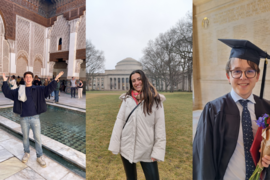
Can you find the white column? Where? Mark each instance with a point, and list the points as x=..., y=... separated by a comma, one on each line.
x=46, y=69
x=121, y=82
x=12, y=56
x=72, y=48
x=117, y=83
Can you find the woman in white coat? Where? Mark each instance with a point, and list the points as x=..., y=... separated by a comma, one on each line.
x=142, y=136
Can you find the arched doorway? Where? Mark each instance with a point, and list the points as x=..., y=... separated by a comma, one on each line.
x=37, y=67
x=22, y=64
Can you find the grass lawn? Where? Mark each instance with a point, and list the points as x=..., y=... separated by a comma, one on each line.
x=102, y=108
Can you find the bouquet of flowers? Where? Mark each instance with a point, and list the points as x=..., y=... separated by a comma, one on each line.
x=262, y=122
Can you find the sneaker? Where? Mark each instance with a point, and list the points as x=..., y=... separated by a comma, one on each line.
x=41, y=161
x=25, y=157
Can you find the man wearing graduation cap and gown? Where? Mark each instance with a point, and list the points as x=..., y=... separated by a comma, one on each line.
x=227, y=127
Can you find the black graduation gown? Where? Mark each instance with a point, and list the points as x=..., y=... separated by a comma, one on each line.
x=217, y=134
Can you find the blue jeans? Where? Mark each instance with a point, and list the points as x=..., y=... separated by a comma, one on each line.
x=56, y=96
x=52, y=94
x=74, y=90
x=32, y=122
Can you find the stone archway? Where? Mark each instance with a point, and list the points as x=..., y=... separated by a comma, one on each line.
x=37, y=67
x=22, y=63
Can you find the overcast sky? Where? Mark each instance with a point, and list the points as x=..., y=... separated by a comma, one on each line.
x=122, y=28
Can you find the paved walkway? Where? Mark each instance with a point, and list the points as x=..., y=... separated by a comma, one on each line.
x=11, y=167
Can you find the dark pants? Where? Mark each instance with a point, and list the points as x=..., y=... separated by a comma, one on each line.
x=150, y=170
x=73, y=89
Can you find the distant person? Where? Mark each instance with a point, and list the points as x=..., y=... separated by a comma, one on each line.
x=22, y=82
x=37, y=81
x=139, y=133
x=12, y=82
x=29, y=109
x=56, y=92
x=73, y=86
x=52, y=94
x=46, y=83
x=18, y=80
x=80, y=89
x=63, y=87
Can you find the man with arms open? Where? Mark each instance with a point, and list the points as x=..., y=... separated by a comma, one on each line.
x=29, y=109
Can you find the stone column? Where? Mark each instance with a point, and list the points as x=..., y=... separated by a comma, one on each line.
x=78, y=66
x=12, y=59
x=74, y=24
x=121, y=83
x=115, y=82
x=46, y=69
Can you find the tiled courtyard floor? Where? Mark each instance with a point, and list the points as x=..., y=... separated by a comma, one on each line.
x=11, y=167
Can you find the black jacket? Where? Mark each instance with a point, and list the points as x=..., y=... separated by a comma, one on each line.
x=39, y=94
x=216, y=136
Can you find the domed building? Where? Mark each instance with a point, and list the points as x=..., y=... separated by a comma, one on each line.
x=118, y=78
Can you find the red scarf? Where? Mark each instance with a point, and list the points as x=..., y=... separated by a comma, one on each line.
x=134, y=94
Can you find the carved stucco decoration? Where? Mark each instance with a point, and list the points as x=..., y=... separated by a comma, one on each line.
x=51, y=66
x=74, y=24
x=11, y=46
x=60, y=29
x=39, y=57
x=81, y=32
x=22, y=54
x=49, y=33
x=78, y=65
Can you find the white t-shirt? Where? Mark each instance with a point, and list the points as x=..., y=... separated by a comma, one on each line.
x=236, y=169
x=73, y=83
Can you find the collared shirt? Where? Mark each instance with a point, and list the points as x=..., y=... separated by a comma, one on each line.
x=237, y=168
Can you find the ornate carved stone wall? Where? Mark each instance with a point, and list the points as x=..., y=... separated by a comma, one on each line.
x=60, y=29
x=38, y=42
x=5, y=56
x=31, y=39
x=81, y=33
x=43, y=14
x=238, y=19
x=37, y=67
x=22, y=63
x=23, y=35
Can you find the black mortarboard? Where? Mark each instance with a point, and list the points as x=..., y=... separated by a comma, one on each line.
x=244, y=49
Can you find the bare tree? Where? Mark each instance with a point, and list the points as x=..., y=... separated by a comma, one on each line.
x=94, y=62
x=169, y=57
x=184, y=47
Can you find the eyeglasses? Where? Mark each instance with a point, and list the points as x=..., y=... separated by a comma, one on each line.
x=237, y=74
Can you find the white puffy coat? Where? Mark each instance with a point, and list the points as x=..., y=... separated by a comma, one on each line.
x=143, y=137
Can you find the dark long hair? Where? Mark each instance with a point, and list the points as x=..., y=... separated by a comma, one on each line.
x=150, y=94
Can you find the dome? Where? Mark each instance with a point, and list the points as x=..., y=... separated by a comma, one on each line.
x=128, y=63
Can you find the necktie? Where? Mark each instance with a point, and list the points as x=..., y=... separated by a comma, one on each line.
x=248, y=138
